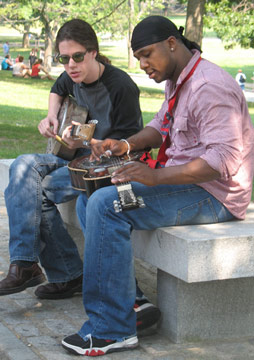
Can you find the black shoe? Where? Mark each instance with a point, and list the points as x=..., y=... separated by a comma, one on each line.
x=95, y=347
x=19, y=278
x=147, y=314
x=64, y=290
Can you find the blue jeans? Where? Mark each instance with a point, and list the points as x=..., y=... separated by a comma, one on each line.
x=37, y=183
x=109, y=282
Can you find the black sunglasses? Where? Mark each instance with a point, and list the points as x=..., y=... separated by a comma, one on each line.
x=77, y=57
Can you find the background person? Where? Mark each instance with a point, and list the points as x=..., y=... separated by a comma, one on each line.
x=36, y=68
x=7, y=64
x=241, y=79
x=20, y=69
x=32, y=57
x=203, y=175
x=17, y=58
x=42, y=53
x=40, y=181
x=6, y=48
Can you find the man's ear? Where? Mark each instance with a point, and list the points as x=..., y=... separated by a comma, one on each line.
x=171, y=43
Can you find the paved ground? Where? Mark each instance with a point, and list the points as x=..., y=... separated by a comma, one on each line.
x=31, y=329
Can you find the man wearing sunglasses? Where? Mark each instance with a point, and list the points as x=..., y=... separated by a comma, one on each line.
x=40, y=181
x=77, y=57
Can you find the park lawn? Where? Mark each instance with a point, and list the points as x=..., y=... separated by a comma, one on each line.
x=24, y=103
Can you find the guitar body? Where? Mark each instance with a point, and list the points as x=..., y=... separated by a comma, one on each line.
x=89, y=175
x=68, y=112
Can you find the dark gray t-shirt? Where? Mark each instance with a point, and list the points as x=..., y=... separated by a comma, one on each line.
x=113, y=101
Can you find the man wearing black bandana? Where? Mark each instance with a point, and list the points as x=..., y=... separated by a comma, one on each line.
x=203, y=174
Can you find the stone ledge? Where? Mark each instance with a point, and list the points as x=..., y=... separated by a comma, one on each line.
x=198, y=253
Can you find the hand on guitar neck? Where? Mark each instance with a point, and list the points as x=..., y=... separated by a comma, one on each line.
x=78, y=135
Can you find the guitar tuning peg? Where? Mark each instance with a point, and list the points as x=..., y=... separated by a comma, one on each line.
x=141, y=202
x=117, y=206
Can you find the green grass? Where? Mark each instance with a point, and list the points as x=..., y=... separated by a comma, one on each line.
x=24, y=102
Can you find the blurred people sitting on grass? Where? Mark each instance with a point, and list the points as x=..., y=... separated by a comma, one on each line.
x=36, y=68
x=20, y=69
x=7, y=64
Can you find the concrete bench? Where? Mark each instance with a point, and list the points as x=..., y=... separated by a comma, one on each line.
x=205, y=283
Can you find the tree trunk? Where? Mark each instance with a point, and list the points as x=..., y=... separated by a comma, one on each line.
x=26, y=40
x=50, y=32
x=48, y=52
x=194, y=21
x=131, y=59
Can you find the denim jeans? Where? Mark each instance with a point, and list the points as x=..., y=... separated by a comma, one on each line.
x=109, y=289
x=37, y=183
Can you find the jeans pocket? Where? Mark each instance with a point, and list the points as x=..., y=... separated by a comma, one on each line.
x=202, y=212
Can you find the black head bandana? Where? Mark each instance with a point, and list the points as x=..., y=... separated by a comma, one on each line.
x=151, y=30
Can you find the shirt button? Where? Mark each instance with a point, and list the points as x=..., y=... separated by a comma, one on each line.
x=177, y=130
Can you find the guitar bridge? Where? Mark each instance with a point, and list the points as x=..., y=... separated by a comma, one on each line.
x=127, y=199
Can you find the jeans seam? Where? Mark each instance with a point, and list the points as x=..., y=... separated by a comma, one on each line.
x=37, y=225
x=100, y=310
x=203, y=201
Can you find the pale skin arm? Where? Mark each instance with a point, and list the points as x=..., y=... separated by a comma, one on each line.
x=74, y=142
x=24, y=67
x=194, y=172
x=9, y=62
x=48, y=127
x=43, y=69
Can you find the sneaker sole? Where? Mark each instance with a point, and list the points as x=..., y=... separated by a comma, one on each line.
x=147, y=317
x=30, y=283
x=127, y=344
x=51, y=296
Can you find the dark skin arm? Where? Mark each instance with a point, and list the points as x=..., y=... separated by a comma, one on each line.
x=193, y=172
x=147, y=137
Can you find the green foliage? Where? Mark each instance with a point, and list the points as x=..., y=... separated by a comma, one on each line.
x=233, y=22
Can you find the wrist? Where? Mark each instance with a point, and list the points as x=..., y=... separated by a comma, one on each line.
x=128, y=146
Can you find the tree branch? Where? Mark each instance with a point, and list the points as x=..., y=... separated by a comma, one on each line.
x=109, y=14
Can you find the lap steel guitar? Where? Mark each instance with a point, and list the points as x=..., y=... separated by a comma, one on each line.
x=89, y=176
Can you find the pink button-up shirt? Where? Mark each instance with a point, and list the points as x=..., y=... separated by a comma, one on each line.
x=212, y=122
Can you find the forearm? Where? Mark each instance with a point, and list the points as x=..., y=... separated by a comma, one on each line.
x=194, y=172
x=148, y=137
x=54, y=104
